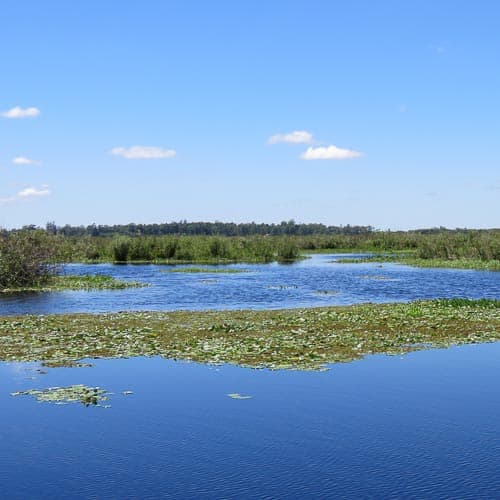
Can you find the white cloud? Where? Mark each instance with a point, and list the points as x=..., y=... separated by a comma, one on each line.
x=22, y=160
x=31, y=192
x=295, y=137
x=19, y=112
x=329, y=153
x=143, y=152
x=27, y=193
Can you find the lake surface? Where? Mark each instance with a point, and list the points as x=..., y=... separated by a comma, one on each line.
x=316, y=281
x=424, y=425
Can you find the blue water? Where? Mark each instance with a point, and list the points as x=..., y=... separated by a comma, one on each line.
x=264, y=286
x=424, y=425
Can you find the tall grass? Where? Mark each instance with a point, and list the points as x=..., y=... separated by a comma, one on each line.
x=445, y=245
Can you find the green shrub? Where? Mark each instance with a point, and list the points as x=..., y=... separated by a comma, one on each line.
x=121, y=248
x=26, y=259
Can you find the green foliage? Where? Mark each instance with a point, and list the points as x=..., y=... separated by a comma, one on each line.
x=459, y=248
x=120, y=248
x=26, y=259
x=288, y=251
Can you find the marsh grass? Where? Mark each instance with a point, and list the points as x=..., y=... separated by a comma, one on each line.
x=411, y=260
x=305, y=339
x=84, y=282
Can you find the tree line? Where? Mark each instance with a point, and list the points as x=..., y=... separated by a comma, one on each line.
x=285, y=228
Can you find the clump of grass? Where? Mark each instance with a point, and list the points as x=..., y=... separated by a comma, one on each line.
x=305, y=339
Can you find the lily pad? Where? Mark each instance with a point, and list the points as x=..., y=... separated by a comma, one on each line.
x=88, y=396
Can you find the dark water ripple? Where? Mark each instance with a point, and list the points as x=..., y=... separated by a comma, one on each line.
x=264, y=286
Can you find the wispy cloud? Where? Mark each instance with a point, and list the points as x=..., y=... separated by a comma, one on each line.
x=27, y=193
x=295, y=137
x=18, y=112
x=22, y=160
x=143, y=152
x=31, y=192
x=329, y=153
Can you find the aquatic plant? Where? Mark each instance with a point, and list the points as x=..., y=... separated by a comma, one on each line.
x=81, y=282
x=236, y=395
x=87, y=396
x=305, y=339
x=211, y=270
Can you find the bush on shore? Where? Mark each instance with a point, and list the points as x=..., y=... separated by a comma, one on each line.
x=26, y=259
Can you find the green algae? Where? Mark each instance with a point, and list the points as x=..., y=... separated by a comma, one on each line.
x=305, y=339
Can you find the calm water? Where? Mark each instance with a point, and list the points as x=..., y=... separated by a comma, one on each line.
x=264, y=286
x=420, y=426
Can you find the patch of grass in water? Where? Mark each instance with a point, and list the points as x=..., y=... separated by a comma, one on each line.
x=411, y=260
x=83, y=282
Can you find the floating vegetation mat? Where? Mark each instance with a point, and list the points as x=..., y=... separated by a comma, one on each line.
x=88, y=396
x=209, y=270
x=84, y=282
x=378, y=277
x=236, y=395
x=410, y=260
x=304, y=339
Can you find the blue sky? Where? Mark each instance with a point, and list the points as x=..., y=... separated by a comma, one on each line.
x=379, y=113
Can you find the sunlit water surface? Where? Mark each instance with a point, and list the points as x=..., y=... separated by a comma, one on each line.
x=316, y=281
